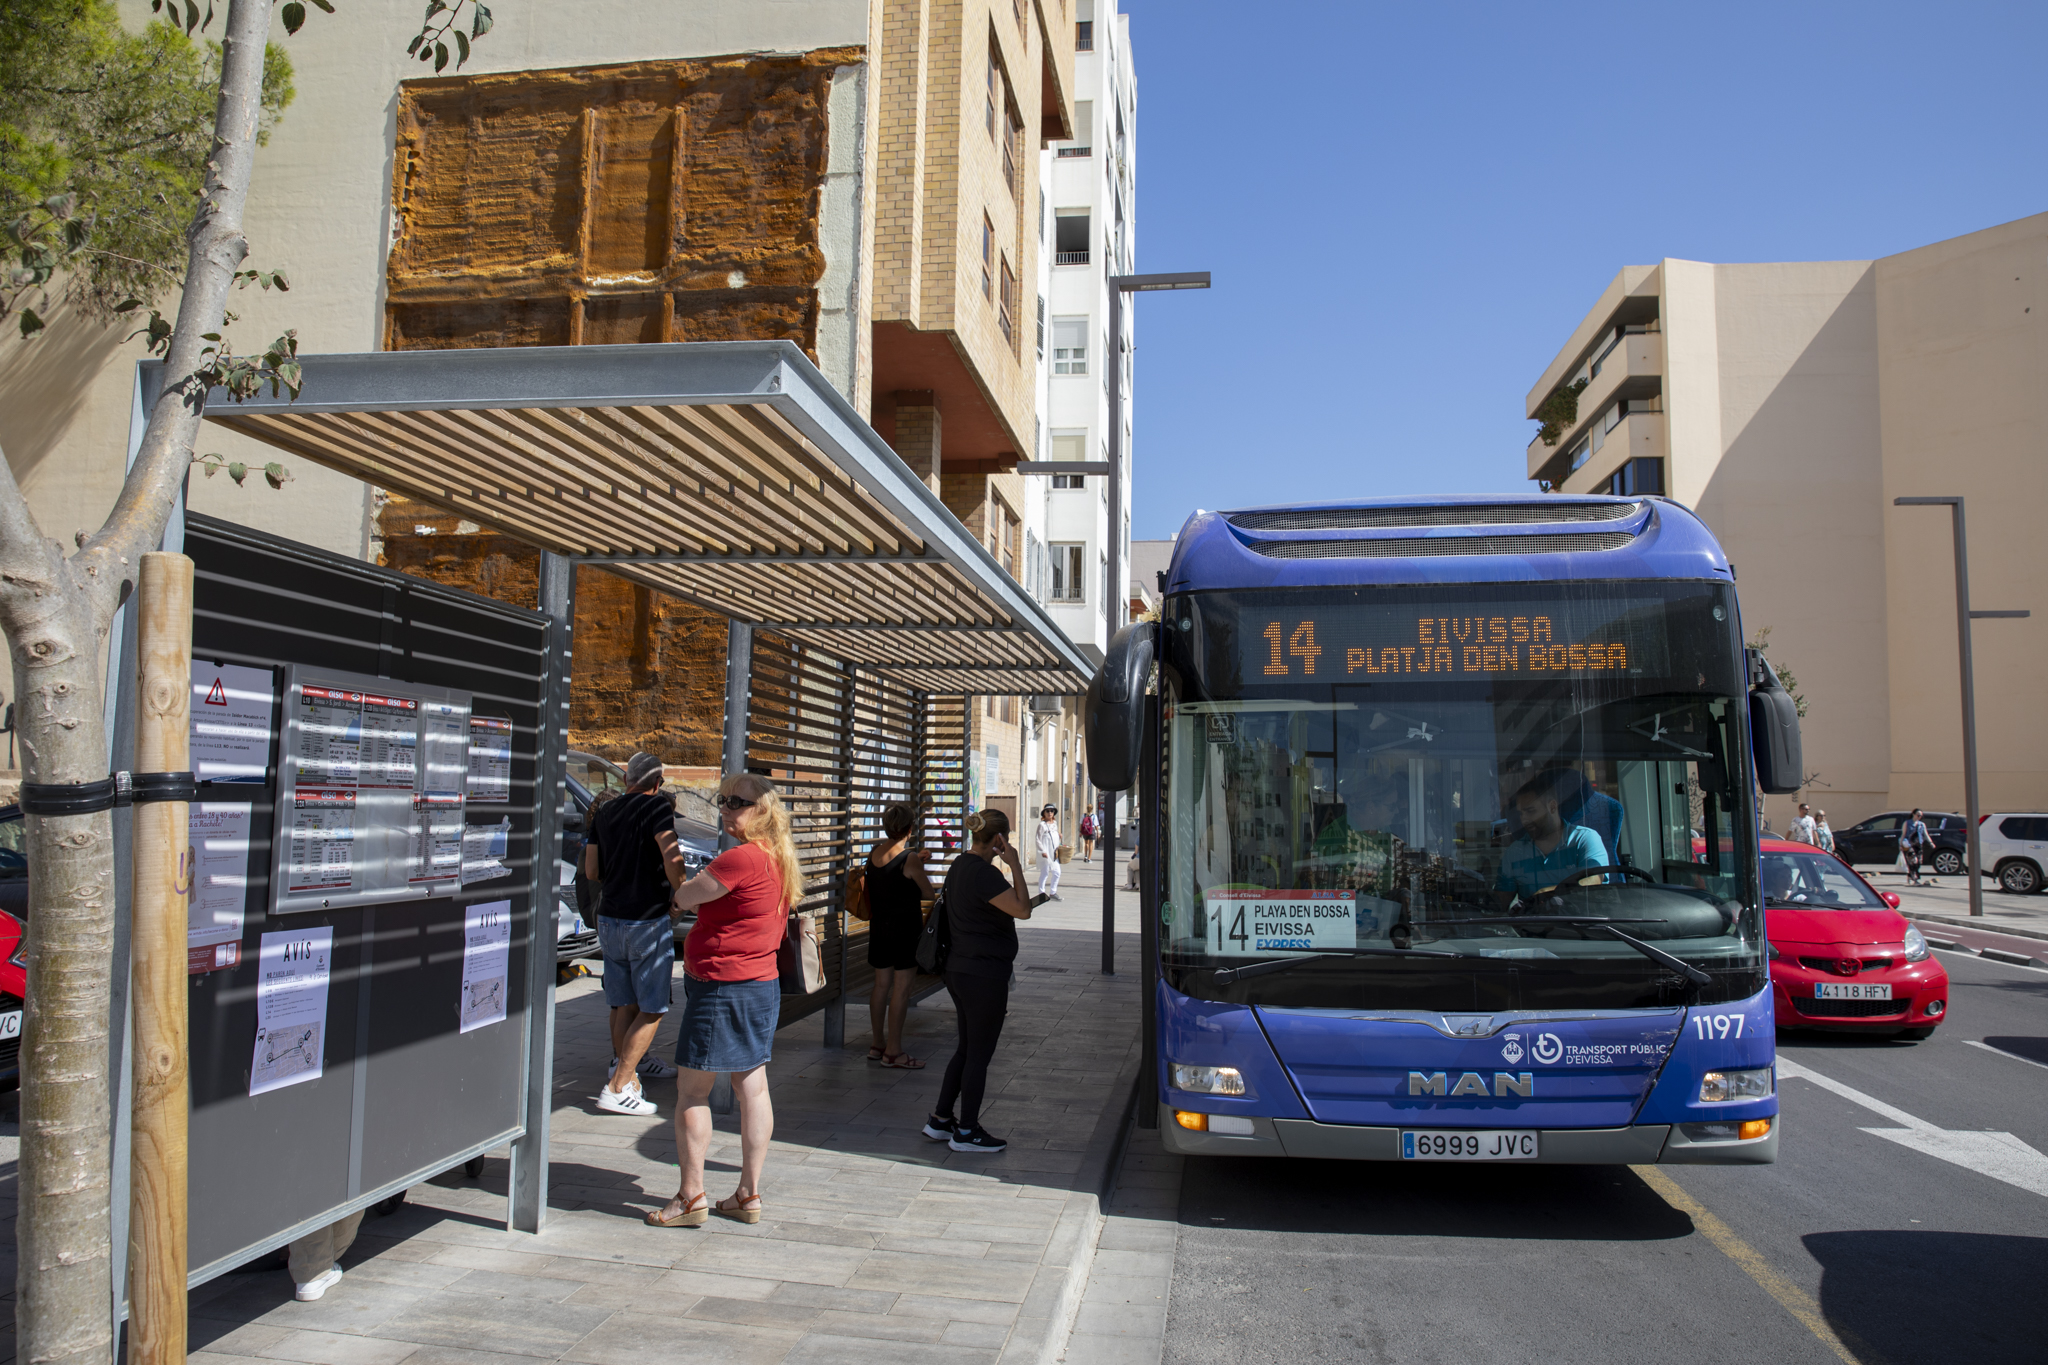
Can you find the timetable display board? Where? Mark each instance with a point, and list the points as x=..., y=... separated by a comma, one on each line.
x=372, y=780
x=1474, y=638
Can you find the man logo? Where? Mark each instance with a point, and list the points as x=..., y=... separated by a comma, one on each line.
x=1547, y=1049
x=1505, y=1083
x=1511, y=1049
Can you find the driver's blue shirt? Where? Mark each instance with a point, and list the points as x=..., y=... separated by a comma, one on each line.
x=1525, y=870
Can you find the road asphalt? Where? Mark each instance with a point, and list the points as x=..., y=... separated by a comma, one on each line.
x=1894, y=1227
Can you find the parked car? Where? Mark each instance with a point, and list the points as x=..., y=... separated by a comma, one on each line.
x=13, y=946
x=2015, y=848
x=1842, y=956
x=1876, y=840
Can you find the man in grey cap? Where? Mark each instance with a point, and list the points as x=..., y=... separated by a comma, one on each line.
x=632, y=848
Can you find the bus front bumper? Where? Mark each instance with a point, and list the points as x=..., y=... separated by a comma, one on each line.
x=1639, y=1144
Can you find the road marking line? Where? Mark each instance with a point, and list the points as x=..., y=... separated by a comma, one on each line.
x=1790, y=1296
x=2003, y=1053
x=1998, y=1155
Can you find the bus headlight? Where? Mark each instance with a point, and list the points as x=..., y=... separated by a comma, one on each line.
x=1916, y=944
x=1717, y=1086
x=1207, y=1080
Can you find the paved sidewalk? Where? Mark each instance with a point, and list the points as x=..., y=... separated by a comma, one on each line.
x=1130, y=1283
x=2011, y=926
x=876, y=1244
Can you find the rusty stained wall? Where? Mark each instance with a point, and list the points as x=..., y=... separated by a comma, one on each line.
x=649, y=670
x=659, y=201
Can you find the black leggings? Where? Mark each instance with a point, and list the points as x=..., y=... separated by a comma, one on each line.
x=980, y=1004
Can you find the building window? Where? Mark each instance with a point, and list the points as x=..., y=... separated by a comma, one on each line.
x=1637, y=477
x=988, y=258
x=1066, y=572
x=1070, y=345
x=1070, y=237
x=1013, y=143
x=1041, y=326
x=1006, y=303
x=1581, y=452
x=1084, y=130
x=995, y=78
x=1070, y=446
x=1008, y=528
x=1042, y=215
x=1084, y=26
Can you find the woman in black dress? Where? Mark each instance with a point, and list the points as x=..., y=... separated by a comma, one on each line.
x=897, y=888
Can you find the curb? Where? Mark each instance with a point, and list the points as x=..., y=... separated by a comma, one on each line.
x=2016, y=959
x=1047, y=1316
x=1960, y=922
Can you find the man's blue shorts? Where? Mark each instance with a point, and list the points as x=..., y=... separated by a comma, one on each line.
x=639, y=962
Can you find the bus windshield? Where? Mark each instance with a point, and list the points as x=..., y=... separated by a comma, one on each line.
x=1458, y=797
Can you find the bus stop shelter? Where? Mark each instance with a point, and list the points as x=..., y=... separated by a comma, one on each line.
x=729, y=474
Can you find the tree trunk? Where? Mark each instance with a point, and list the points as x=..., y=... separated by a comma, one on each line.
x=56, y=612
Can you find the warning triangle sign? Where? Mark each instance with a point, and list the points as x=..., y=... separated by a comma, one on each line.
x=218, y=696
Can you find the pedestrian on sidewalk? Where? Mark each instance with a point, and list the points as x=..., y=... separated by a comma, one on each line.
x=1088, y=832
x=312, y=1258
x=633, y=849
x=1823, y=837
x=732, y=997
x=1802, y=830
x=1048, y=840
x=1914, y=841
x=982, y=910
x=897, y=888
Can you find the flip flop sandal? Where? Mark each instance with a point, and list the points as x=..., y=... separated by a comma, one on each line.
x=903, y=1061
x=694, y=1214
x=736, y=1208
x=876, y=1054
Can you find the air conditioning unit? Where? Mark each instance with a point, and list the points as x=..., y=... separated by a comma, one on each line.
x=1045, y=704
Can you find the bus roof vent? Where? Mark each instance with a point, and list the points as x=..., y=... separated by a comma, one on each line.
x=1408, y=546
x=1548, y=511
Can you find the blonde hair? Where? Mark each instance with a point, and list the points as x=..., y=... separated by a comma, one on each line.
x=766, y=823
x=988, y=825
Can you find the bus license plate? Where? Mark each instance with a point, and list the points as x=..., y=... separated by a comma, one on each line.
x=1847, y=990
x=1480, y=1144
x=10, y=1024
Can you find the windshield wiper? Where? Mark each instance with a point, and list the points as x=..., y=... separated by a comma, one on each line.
x=1655, y=954
x=1281, y=964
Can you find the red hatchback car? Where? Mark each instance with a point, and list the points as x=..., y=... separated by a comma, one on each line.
x=1842, y=956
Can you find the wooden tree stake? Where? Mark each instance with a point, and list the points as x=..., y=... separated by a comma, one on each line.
x=163, y=887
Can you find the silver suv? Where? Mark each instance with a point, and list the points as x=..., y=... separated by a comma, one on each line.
x=2015, y=848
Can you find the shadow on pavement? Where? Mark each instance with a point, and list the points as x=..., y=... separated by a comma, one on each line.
x=1934, y=1295
x=2033, y=1049
x=1386, y=1199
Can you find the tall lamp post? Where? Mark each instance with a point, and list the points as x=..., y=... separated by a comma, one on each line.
x=1116, y=591
x=1973, y=868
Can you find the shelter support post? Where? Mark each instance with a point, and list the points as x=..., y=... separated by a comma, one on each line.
x=835, y=1012
x=739, y=672
x=162, y=872
x=529, y=1184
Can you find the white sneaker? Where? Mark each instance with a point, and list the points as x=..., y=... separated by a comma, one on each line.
x=631, y=1102
x=650, y=1066
x=318, y=1285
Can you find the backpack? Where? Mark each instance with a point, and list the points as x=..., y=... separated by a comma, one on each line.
x=935, y=940
x=1088, y=826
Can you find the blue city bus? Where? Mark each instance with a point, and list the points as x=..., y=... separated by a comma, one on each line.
x=1449, y=834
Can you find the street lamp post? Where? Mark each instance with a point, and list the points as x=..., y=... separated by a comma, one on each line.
x=1972, y=870
x=1115, y=591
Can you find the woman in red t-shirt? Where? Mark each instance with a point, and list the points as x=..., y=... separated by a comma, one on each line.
x=731, y=995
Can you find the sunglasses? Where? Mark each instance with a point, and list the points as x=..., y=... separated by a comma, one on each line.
x=734, y=803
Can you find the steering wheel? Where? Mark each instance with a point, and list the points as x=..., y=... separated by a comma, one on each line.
x=1625, y=871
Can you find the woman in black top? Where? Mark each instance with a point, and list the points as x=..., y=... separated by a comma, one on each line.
x=982, y=910
x=897, y=889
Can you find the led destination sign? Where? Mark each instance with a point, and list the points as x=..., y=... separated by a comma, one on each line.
x=1483, y=640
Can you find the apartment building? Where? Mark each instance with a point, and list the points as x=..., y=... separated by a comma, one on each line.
x=1789, y=404
x=860, y=177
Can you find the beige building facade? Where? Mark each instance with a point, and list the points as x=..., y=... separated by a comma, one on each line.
x=1789, y=404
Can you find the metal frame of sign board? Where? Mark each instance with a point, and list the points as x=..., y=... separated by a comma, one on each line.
x=386, y=888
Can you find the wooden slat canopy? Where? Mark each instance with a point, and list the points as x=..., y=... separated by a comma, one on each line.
x=730, y=474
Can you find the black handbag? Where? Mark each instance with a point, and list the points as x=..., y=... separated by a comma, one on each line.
x=935, y=940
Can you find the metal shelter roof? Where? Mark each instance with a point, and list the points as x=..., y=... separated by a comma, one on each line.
x=730, y=474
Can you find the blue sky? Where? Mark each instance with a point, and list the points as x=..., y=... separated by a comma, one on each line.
x=1408, y=208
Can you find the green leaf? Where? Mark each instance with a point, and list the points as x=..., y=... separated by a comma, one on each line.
x=324, y=7
x=127, y=305
x=294, y=15
x=440, y=57
x=30, y=323
x=434, y=7
x=426, y=53
x=283, y=285
x=238, y=472
x=276, y=474
x=191, y=17
x=480, y=23
x=210, y=336
x=414, y=45
x=461, y=48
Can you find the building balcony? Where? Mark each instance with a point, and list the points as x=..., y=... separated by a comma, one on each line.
x=1640, y=435
x=1633, y=369
x=1070, y=258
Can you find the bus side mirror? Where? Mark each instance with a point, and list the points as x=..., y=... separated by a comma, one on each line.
x=1773, y=731
x=1114, y=708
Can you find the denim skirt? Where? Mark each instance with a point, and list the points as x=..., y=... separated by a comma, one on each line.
x=727, y=1025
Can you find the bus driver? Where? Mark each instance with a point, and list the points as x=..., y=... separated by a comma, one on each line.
x=1550, y=848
